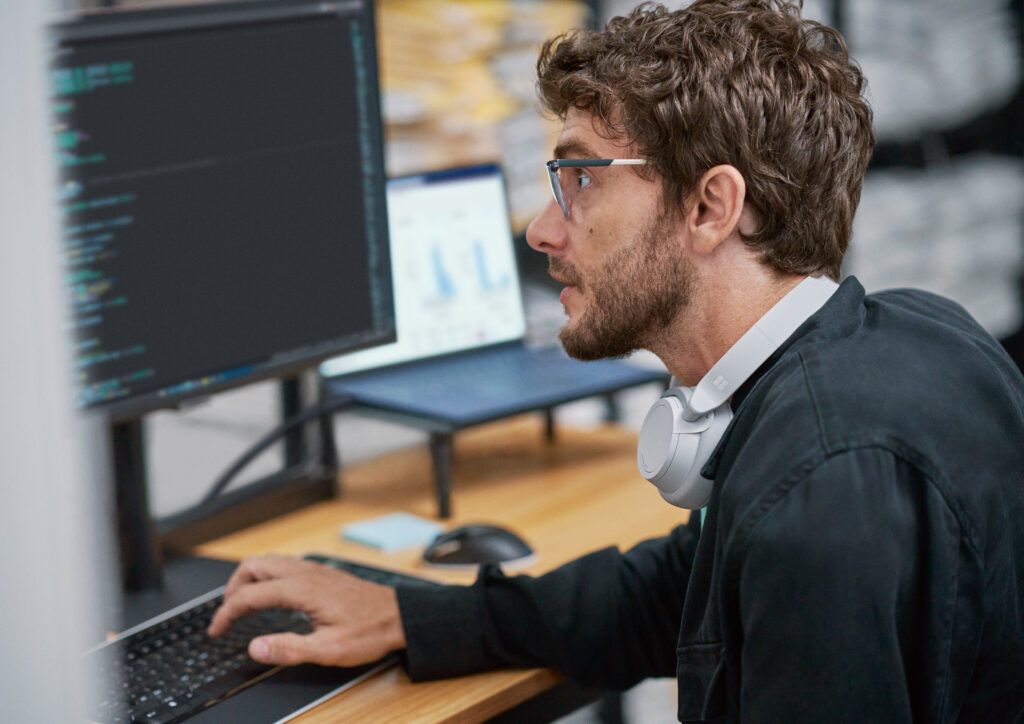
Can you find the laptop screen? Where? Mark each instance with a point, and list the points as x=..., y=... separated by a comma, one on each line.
x=454, y=269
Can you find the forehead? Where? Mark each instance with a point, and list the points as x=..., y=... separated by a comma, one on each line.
x=583, y=135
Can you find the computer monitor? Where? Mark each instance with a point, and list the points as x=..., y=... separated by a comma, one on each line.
x=456, y=280
x=222, y=193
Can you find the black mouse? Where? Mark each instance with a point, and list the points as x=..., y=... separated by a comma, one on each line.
x=472, y=545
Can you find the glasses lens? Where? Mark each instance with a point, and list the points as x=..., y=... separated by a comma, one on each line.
x=554, y=177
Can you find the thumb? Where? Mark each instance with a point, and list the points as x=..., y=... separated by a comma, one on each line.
x=283, y=649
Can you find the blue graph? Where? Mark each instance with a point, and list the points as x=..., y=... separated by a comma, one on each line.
x=443, y=280
x=486, y=283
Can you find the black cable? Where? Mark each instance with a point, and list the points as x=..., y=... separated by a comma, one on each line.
x=327, y=406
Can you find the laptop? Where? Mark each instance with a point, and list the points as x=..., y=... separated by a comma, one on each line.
x=461, y=357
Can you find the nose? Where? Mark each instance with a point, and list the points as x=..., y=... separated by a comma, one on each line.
x=546, y=233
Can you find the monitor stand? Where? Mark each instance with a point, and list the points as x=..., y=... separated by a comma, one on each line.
x=153, y=580
x=141, y=556
x=151, y=584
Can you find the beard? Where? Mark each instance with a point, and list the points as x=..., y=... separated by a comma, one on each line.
x=635, y=295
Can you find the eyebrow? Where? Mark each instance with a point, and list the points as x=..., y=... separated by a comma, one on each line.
x=572, y=147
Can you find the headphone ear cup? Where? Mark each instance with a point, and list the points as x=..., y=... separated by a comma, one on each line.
x=661, y=445
x=672, y=450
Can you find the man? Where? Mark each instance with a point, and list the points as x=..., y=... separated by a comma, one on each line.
x=862, y=554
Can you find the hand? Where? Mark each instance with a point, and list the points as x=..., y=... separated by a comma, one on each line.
x=354, y=621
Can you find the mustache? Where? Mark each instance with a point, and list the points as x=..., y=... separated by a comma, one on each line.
x=564, y=271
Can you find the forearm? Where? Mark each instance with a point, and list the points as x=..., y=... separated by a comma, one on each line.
x=607, y=619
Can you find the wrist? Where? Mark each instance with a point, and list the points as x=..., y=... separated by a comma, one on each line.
x=394, y=630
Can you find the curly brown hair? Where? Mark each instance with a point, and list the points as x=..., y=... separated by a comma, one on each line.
x=741, y=82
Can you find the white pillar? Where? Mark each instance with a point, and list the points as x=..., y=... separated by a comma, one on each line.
x=54, y=524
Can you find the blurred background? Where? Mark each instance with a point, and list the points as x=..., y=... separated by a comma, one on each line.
x=942, y=207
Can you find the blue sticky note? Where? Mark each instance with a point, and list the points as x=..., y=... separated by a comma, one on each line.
x=392, y=532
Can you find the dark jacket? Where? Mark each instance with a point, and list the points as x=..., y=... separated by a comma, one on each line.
x=862, y=558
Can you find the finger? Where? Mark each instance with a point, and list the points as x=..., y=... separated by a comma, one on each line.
x=284, y=649
x=258, y=568
x=320, y=647
x=251, y=598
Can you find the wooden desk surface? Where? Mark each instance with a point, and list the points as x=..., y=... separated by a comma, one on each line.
x=577, y=494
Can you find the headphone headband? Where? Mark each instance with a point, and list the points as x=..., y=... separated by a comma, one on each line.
x=758, y=343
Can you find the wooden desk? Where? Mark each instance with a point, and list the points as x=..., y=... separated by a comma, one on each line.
x=577, y=494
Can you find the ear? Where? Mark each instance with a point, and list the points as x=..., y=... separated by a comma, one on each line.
x=718, y=204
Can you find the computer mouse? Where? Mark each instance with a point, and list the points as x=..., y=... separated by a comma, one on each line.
x=469, y=546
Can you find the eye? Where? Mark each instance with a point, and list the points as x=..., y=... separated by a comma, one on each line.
x=583, y=180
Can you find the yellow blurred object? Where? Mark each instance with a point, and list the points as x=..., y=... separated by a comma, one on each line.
x=457, y=79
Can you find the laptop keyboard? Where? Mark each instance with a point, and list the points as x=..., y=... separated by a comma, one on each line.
x=171, y=669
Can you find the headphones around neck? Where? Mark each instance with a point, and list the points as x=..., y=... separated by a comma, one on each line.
x=684, y=426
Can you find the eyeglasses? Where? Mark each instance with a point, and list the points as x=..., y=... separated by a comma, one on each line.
x=565, y=187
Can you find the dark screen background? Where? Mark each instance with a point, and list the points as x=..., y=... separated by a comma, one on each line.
x=216, y=212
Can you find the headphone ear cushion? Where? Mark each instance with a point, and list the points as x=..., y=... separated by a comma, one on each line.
x=672, y=450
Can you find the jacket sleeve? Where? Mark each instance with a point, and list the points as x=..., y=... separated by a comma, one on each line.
x=846, y=594
x=607, y=619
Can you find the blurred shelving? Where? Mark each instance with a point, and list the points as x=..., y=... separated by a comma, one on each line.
x=943, y=202
x=457, y=79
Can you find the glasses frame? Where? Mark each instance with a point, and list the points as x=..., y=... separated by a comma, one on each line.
x=556, y=163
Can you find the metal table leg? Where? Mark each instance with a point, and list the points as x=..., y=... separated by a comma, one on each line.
x=441, y=450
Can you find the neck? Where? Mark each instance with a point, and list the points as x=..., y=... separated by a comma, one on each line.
x=720, y=311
